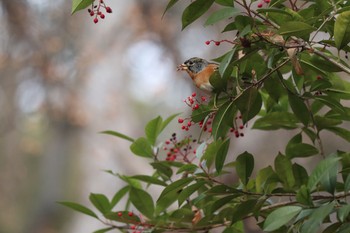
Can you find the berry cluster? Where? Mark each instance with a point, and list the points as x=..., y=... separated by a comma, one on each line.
x=261, y=4
x=95, y=10
x=218, y=42
x=237, y=130
x=179, y=149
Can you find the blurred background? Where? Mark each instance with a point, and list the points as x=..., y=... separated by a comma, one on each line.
x=64, y=79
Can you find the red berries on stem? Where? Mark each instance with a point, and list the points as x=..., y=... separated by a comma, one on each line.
x=95, y=10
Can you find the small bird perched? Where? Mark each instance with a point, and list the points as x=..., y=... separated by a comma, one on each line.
x=200, y=71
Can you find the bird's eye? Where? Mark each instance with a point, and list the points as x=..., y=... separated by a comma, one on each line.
x=189, y=63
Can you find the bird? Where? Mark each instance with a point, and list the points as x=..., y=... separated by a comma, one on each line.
x=200, y=71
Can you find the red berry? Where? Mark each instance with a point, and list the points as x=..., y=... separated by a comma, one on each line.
x=203, y=98
x=241, y=126
x=207, y=42
x=183, y=127
x=267, y=1
x=108, y=9
x=120, y=214
x=217, y=43
x=95, y=20
x=180, y=120
x=189, y=123
x=318, y=77
x=167, y=142
x=131, y=214
x=133, y=227
x=232, y=130
x=194, y=94
x=196, y=106
x=260, y=5
x=102, y=16
x=176, y=150
x=210, y=130
x=91, y=13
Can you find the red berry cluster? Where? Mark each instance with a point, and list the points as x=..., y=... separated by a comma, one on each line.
x=95, y=10
x=137, y=227
x=218, y=42
x=261, y=4
x=237, y=130
x=179, y=149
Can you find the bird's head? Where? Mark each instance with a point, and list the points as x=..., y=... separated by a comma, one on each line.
x=193, y=65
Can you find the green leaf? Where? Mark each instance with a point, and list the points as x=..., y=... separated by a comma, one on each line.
x=265, y=180
x=224, y=64
x=280, y=217
x=152, y=129
x=195, y=10
x=170, y=194
x=221, y=155
x=342, y=30
x=117, y=134
x=163, y=169
x=300, y=175
x=149, y=179
x=142, y=147
x=303, y=196
x=244, y=166
x=322, y=171
x=78, y=5
x=200, y=113
x=101, y=202
x=296, y=28
x=284, y=170
x=331, y=102
x=142, y=201
x=119, y=195
x=299, y=108
x=188, y=191
x=221, y=14
x=249, y=104
x=276, y=120
x=300, y=150
x=171, y=3
x=242, y=209
x=312, y=224
x=190, y=168
x=221, y=202
x=341, y=132
x=343, y=212
x=79, y=208
x=222, y=120
x=224, y=2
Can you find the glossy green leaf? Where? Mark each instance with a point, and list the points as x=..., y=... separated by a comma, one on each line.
x=119, y=195
x=331, y=102
x=176, y=186
x=224, y=2
x=221, y=122
x=276, y=120
x=163, y=169
x=117, y=134
x=142, y=201
x=296, y=28
x=280, y=217
x=249, y=104
x=221, y=155
x=78, y=5
x=299, y=108
x=149, y=180
x=142, y=147
x=244, y=166
x=79, y=208
x=152, y=129
x=190, y=168
x=300, y=175
x=225, y=63
x=300, y=150
x=221, y=14
x=284, y=170
x=101, y=202
x=200, y=113
x=342, y=30
x=221, y=202
x=195, y=10
x=322, y=171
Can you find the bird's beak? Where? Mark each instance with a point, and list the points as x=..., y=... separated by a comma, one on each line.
x=182, y=67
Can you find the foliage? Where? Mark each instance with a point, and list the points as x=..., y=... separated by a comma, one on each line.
x=281, y=74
